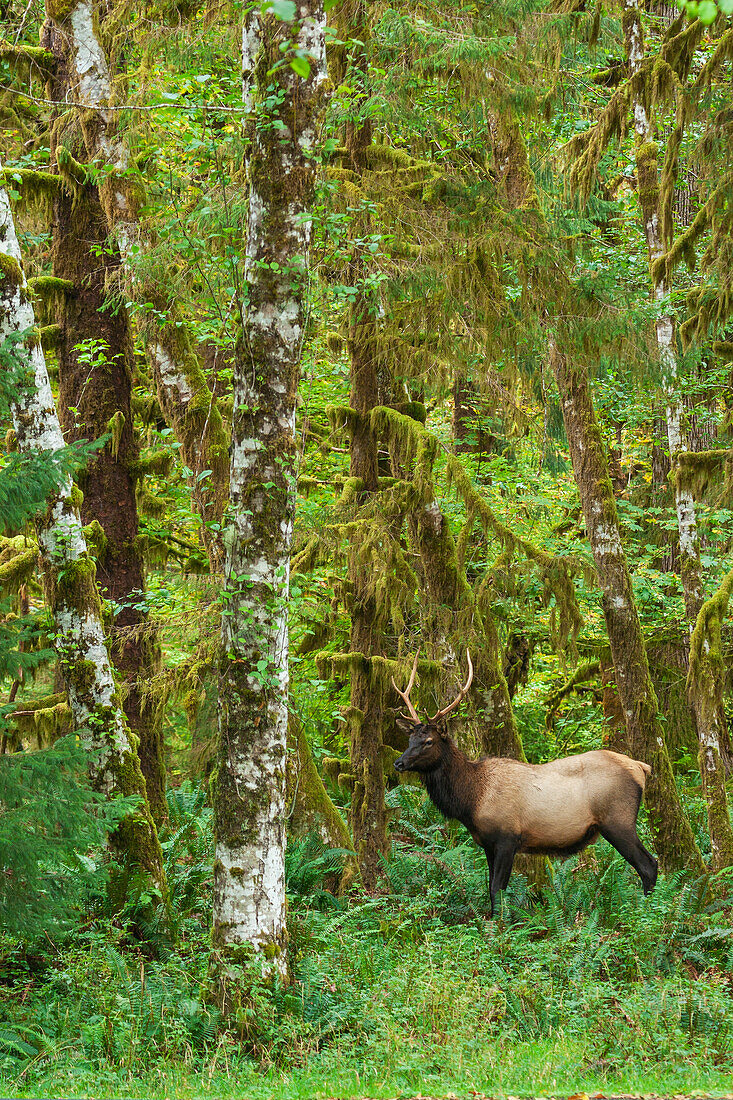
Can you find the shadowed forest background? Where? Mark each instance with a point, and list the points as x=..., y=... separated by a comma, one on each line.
x=329, y=336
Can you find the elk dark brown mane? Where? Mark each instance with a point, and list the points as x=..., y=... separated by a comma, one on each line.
x=509, y=806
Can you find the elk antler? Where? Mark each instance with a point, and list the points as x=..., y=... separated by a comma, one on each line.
x=461, y=694
x=405, y=695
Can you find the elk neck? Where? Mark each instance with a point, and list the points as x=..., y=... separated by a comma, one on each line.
x=453, y=784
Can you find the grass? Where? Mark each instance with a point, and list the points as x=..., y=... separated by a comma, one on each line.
x=591, y=988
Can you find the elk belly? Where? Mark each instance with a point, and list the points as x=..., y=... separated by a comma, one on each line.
x=556, y=819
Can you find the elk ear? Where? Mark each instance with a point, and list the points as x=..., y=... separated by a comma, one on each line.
x=442, y=729
x=404, y=725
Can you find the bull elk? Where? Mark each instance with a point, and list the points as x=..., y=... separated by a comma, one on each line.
x=553, y=809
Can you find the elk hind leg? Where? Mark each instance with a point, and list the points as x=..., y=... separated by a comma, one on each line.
x=625, y=841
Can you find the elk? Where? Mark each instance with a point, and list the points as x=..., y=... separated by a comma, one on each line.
x=508, y=806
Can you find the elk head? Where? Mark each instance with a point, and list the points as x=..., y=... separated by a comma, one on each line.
x=424, y=751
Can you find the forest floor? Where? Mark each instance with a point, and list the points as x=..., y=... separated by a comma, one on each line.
x=588, y=988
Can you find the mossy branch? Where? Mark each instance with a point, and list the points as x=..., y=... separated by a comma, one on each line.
x=18, y=560
x=47, y=719
x=582, y=675
x=51, y=292
x=28, y=60
x=582, y=154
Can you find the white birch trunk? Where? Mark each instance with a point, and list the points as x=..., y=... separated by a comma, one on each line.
x=80, y=640
x=648, y=190
x=249, y=795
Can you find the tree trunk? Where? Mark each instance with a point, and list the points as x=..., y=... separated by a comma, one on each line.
x=365, y=716
x=705, y=685
x=673, y=836
x=70, y=583
x=188, y=404
x=249, y=784
x=711, y=728
x=95, y=388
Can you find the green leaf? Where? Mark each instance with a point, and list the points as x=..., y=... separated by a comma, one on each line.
x=302, y=67
x=707, y=12
x=330, y=4
x=726, y=6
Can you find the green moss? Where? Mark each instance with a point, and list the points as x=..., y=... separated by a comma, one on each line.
x=17, y=566
x=36, y=189
x=51, y=337
x=158, y=463
x=50, y=290
x=11, y=273
x=60, y=10
x=76, y=584
x=25, y=58
x=95, y=538
x=648, y=178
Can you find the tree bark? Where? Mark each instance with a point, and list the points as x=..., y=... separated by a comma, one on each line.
x=187, y=402
x=711, y=726
x=675, y=842
x=366, y=713
x=95, y=388
x=249, y=784
x=705, y=684
x=70, y=583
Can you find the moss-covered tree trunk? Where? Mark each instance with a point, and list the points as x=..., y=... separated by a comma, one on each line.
x=705, y=685
x=95, y=389
x=675, y=843
x=249, y=782
x=70, y=583
x=366, y=713
x=711, y=727
x=652, y=220
x=186, y=399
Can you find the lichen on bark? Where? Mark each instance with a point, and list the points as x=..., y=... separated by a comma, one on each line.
x=249, y=781
x=69, y=580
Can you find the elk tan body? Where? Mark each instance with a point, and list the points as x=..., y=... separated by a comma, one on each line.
x=509, y=806
x=557, y=806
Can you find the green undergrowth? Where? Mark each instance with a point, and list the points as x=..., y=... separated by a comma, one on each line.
x=584, y=986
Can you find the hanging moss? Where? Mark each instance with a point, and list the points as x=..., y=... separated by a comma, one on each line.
x=28, y=60
x=157, y=463
x=695, y=469
x=582, y=675
x=584, y=151
x=51, y=337
x=37, y=190
x=679, y=48
x=47, y=719
x=683, y=248
x=74, y=174
x=95, y=538
x=115, y=428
